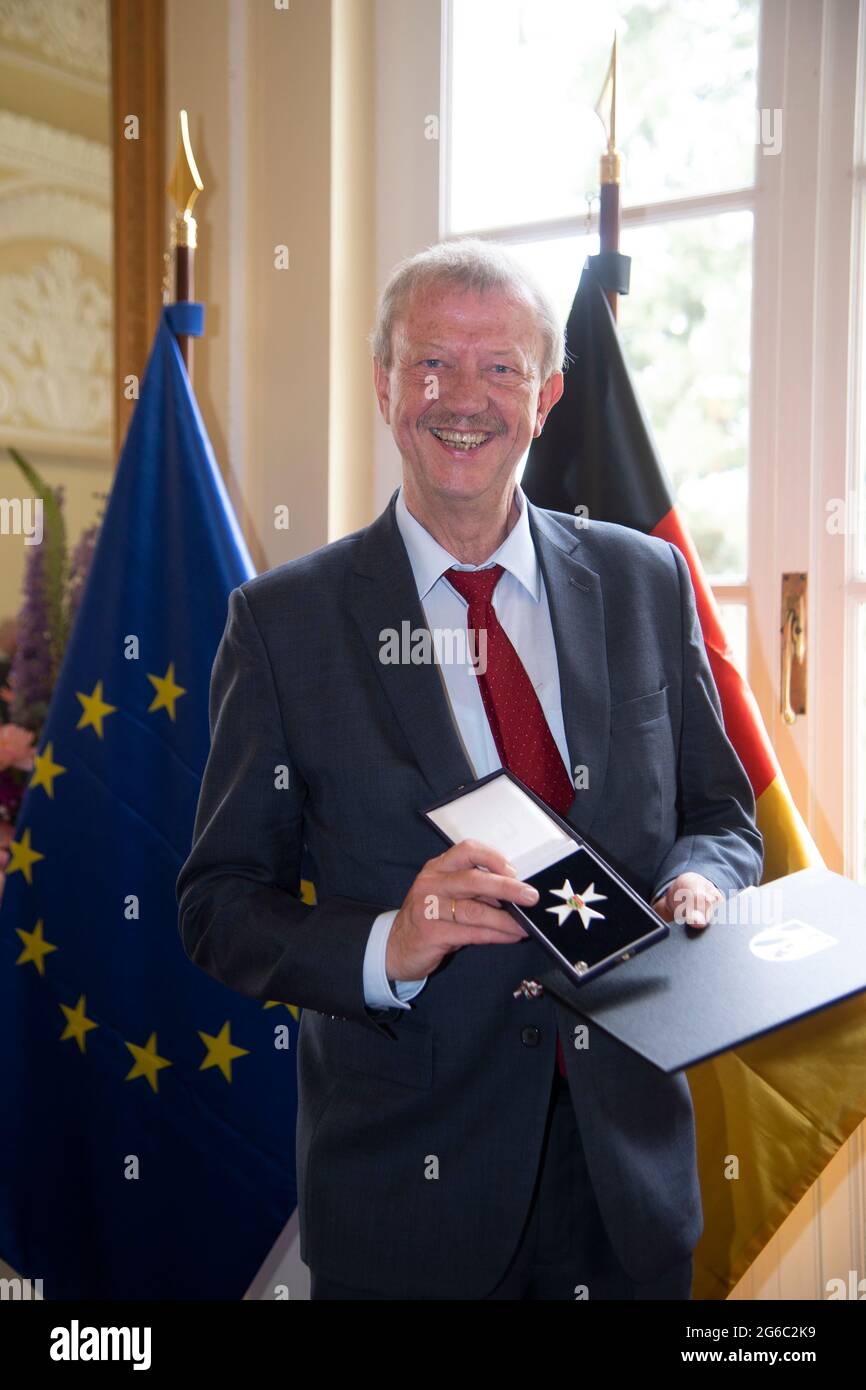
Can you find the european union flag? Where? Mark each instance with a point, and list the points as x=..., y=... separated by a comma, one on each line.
x=147, y=1112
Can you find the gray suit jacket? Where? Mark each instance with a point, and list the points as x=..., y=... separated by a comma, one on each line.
x=457, y=1086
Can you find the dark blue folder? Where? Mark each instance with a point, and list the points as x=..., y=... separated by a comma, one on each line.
x=770, y=955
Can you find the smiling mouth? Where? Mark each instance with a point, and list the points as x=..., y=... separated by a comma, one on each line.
x=464, y=441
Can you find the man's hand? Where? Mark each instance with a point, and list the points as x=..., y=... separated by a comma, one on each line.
x=689, y=899
x=425, y=931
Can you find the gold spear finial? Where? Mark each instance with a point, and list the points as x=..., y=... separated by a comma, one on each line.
x=184, y=186
x=605, y=109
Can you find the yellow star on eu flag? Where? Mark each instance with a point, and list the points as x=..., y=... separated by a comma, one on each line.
x=167, y=691
x=281, y=1004
x=147, y=1062
x=221, y=1051
x=36, y=948
x=23, y=857
x=45, y=769
x=78, y=1025
x=95, y=709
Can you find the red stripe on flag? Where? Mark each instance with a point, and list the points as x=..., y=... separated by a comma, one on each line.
x=744, y=723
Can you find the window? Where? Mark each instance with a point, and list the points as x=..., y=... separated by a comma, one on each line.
x=852, y=511
x=521, y=165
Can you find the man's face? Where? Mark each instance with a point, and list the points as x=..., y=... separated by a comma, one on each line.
x=480, y=353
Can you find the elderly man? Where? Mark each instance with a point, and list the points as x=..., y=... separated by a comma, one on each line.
x=448, y=1145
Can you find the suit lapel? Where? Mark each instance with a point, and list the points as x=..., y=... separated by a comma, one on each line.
x=382, y=597
x=577, y=616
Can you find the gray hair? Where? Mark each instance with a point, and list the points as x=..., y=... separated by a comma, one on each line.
x=468, y=264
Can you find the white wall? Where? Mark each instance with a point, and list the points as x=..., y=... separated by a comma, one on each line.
x=408, y=51
x=256, y=83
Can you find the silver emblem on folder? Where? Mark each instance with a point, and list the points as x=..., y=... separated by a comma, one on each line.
x=793, y=940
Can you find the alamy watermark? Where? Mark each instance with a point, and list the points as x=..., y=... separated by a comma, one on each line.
x=22, y=516
x=20, y=1290
x=749, y=908
x=444, y=646
x=768, y=129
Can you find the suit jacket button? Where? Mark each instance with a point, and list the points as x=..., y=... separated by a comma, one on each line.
x=530, y=1037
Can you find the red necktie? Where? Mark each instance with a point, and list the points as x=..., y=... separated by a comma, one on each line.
x=520, y=731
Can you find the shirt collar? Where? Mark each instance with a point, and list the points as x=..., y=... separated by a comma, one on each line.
x=430, y=560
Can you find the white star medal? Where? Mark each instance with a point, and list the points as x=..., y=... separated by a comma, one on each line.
x=577, y=902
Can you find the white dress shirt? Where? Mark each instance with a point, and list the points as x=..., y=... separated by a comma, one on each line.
x=520, y=602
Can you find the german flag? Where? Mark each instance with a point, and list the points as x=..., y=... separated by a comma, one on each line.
x=782, y=1106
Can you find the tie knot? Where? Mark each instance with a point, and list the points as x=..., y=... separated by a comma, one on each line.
x=476, y=586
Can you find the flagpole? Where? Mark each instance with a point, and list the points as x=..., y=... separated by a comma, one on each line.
x=611, y=268
x=184, y=187
x=609, y=217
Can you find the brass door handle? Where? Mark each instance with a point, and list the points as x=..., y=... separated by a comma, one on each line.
x=793, y=693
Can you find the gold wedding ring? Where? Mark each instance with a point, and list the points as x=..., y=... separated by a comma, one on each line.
x=453, y=910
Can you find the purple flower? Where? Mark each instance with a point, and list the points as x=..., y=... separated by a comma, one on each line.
x=79, y=568
x=11, y=795
x=32, y=672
